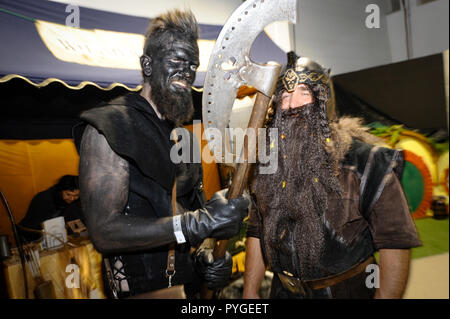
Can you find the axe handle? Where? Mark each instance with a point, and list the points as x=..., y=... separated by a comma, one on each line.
x=240, y=176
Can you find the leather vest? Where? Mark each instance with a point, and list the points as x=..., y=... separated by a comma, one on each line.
x=146, y=271
x=131, y=126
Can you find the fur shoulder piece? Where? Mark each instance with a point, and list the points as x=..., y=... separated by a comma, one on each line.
x=343, y=132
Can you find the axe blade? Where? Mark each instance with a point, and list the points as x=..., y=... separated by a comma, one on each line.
x=230, y=66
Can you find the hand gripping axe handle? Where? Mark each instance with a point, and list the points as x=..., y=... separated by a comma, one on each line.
x=230, y=67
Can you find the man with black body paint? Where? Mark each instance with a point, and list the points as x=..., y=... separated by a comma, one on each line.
x=127, y=176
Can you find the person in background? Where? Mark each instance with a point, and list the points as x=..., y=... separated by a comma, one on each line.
x=51, y=203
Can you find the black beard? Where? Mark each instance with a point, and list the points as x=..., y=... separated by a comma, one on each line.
x=310, y=180
x=176, y=107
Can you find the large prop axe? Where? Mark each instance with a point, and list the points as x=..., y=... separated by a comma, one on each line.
x=230, y=67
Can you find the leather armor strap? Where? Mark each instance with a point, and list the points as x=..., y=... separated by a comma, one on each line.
x=296, y=285
x=333, y=280
x=170, y=270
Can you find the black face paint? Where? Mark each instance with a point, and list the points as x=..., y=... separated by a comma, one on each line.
x=173, y=74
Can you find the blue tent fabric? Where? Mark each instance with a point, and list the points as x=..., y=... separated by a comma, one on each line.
x=23, y=53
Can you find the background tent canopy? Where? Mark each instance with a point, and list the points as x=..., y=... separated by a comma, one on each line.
x=105, y=50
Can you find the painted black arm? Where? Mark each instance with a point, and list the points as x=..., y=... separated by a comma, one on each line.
x=104, y=181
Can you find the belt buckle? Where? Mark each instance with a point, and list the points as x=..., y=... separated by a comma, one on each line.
x=293, y=284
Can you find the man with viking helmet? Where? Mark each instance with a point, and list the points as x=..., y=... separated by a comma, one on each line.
x=127, y=177
x=334, y=201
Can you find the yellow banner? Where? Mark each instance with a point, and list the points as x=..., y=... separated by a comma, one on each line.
x=102, y=48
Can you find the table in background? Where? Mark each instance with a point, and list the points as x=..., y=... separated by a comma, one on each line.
x=53, y=266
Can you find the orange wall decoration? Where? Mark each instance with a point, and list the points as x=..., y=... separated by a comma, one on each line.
x=211, y=180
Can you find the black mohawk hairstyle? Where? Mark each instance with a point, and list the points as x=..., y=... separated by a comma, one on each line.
x=168, y=25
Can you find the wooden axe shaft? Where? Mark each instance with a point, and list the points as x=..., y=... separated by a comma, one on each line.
x=240, y=176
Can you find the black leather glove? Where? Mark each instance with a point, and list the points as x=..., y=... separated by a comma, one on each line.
x=219, y=218
x=216, y=273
